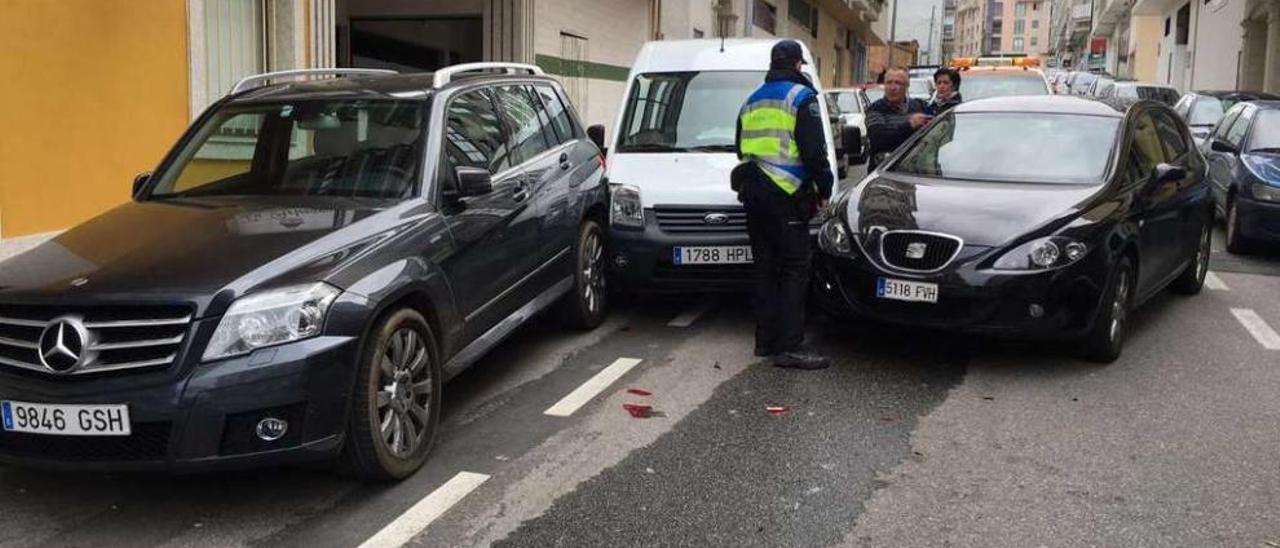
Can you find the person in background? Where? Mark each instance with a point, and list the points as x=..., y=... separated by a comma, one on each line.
x=946, y=82
x=782, y=182
x=892, y=119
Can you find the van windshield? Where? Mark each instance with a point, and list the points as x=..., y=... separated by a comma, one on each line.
x=685, y=111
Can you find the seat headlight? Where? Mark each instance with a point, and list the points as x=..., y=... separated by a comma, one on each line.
x=271, y=317
x=625, y=208
x=1265, y=192
x=834, y=238
x=1043, y=254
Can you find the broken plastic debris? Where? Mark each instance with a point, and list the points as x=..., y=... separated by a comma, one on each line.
x=639, y=392
x=637, y=410
x=776, y=409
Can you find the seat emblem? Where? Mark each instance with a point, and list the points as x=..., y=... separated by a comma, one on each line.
x=915, y=250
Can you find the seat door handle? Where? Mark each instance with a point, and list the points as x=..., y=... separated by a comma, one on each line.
x=564, y=160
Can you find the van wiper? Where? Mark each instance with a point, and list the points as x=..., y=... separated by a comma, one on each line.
x=714, y=148
x=650, y=147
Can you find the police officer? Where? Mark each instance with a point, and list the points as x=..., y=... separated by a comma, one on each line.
x=782, y=183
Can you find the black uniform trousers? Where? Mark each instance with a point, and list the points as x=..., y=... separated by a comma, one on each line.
x=778, y=225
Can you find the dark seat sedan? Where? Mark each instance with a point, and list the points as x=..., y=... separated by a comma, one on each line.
x=1202, y=110
x=1244, y=168
x=1045, y=217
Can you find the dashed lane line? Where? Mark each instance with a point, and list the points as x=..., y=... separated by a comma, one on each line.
x=1213, y=282
x=687, y=318
x=416, y=519
x=593, y=387
x=1257, y=327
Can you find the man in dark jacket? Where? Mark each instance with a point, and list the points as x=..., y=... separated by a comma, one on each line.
x=894, y=118
x=782, y=183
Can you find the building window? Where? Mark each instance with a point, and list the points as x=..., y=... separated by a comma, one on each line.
x=1019, y=27
x=1020, y=10
x=1035, y=41
x=1035, y=6
x=766, y=16
x=802, y=12
x=235, y=45
x=1017, y=43
x=1035, y=24
x=997, y=27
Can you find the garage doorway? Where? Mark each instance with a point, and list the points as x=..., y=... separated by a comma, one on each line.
x=415, y=44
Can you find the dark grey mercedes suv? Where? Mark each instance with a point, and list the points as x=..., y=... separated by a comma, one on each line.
x=301, y=274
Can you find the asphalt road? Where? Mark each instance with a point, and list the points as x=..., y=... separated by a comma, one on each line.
x=912, y=439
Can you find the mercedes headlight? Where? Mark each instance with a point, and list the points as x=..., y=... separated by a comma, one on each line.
x=834, y=237
x=625, y=208
x=271, y=317
x=1043, y=254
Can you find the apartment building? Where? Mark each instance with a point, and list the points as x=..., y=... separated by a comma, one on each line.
x=1070, y=23
x=1189, y=44
x=103, y=89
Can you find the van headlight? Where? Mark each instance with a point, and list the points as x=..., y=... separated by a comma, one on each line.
x=271, y=317
x=834, y=238
x=625, y=208
x=1043, y=254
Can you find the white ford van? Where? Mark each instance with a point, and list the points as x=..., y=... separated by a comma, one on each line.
x=675, y=224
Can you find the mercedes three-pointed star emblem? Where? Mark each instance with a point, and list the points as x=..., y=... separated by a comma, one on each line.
x=63, y=345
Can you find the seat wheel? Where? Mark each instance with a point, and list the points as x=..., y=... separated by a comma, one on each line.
x=395, y=409
x=1111, y=324
x=586, y=306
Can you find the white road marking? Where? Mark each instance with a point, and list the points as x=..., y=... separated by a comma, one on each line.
x=416, y=519
x=689, y=316
x=1258, y=327
x=1212, y=281
x=590, y=389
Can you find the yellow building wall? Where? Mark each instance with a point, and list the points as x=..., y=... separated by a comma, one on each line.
x=95, y=91
x=1144, y=46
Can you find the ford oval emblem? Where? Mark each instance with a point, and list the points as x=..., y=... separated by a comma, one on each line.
x=716, y=218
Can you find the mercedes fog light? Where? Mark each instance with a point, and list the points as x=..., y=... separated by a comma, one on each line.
x=272, y=429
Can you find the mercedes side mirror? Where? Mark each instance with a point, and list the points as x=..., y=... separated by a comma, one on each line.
x=1219, y=145
x=851, y=136
x=140, y=181
x=596, y=134
x=1169, y=172
x=473, y=181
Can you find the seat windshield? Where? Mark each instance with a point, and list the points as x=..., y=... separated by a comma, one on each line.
x=1010, y=147
x=686, y=111
x=369, y=149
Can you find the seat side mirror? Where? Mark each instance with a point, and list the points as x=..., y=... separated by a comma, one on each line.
x=852, y=138
x=140, y=181
x=596, y=134
x=473, y=181
x=1220, y=145
x=1169, y=172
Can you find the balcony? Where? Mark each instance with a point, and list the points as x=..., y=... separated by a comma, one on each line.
x=1108, y=13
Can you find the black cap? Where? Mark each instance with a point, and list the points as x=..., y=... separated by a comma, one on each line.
x=787, y=52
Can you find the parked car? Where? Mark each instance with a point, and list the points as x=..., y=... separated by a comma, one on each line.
x=853, y=103
x=676, y=225
x=302, y=273
x=1124, y=90
x=970, y=227
x=1203, y=109
x=1244, y=168
x=1078, y=82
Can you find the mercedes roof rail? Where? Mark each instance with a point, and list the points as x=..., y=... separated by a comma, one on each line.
x=259, y=80
x=446, y=75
